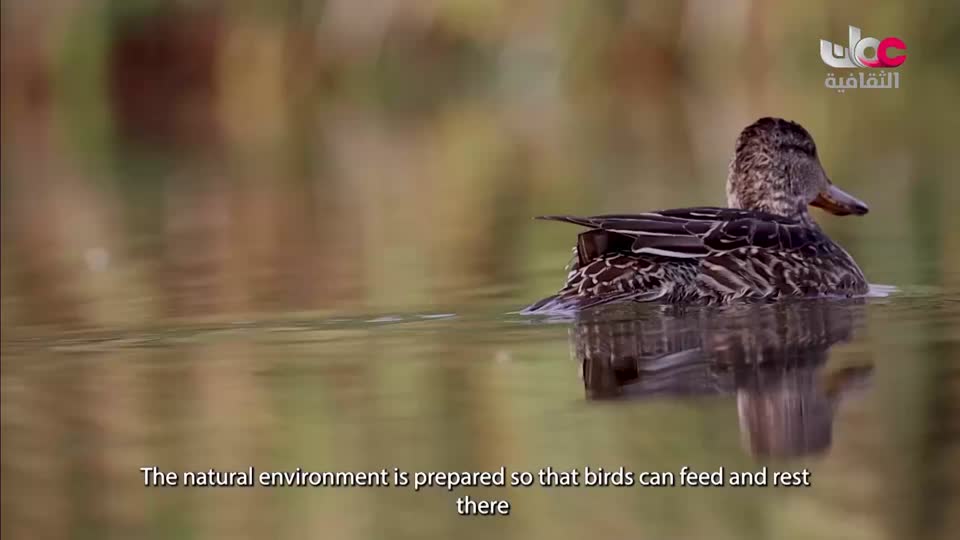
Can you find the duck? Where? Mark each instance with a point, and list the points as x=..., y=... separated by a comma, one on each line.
x=765, y=246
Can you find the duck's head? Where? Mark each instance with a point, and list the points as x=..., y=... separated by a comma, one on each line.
x=776, y=169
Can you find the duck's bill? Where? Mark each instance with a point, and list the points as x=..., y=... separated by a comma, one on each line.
x=839, y=202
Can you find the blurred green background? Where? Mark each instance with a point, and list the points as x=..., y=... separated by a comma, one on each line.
x=173, y=170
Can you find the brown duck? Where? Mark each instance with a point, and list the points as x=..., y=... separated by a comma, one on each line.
x=765, y=246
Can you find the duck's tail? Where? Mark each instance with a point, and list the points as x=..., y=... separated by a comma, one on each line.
x=566, y=302
x=550, y=305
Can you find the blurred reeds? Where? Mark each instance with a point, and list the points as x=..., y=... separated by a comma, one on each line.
x=163, y=159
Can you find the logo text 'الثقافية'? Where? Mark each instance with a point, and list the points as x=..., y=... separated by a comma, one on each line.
x=855, y=56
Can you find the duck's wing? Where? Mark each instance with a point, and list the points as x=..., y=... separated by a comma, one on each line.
x=688, y=233
x=706, y=253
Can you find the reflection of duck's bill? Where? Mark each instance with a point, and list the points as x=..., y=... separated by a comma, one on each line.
x=839, y=202
x=848, y=381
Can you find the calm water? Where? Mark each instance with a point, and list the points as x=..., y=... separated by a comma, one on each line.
x=863, y=394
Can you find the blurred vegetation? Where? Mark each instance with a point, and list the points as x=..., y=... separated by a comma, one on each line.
x=169, y=163
x=164, y=159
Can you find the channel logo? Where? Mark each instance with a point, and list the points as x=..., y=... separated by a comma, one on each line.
x=889, y=52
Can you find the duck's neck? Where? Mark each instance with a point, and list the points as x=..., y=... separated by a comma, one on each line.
x=780, y=206
x=802, y=215
x=762, y=187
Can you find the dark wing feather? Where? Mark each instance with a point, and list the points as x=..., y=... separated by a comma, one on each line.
x=692, y=233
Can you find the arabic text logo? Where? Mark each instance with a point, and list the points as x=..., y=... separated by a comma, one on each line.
x=855, y=55
x=885, y=80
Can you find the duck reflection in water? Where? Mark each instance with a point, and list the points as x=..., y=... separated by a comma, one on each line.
x=772, y=357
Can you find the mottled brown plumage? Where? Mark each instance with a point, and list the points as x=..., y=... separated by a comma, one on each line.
x=764, y=247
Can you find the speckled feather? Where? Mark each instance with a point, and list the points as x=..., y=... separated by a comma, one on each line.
x=711, y=255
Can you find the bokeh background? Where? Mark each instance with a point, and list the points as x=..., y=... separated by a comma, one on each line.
x=185, y=181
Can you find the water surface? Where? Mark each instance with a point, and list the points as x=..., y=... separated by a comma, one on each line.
x=858, y=392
